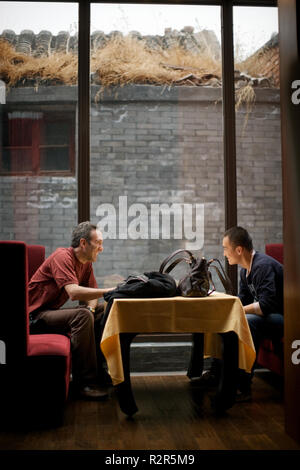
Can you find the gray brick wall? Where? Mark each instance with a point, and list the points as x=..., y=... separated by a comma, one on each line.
x=154, y=145
x=38, y=210
x=259, y=173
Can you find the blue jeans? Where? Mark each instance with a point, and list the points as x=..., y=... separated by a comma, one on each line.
x=269, y=326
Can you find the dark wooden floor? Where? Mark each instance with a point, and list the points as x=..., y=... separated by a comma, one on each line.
x=172, y=415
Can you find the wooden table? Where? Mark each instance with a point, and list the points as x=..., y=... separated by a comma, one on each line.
x=218, y=324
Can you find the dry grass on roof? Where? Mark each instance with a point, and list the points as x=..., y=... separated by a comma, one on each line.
x=16, y=67
x=257, y=65
x=245, y=96
x=121, y=61
x=128, y=60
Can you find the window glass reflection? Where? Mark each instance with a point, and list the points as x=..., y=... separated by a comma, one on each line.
x=38, y=95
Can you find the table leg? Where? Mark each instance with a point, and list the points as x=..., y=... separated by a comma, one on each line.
x=195, y=367
x=226, y=393
x=124, y=390
x=225, y=397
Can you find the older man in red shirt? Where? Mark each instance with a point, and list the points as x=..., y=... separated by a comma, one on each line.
x=68, y=274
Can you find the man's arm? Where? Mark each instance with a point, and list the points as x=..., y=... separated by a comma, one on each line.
x=244, y=293
x=247, y=298
x=92, y=303
x=265, y=288
x=85, y=294
x=253, y=308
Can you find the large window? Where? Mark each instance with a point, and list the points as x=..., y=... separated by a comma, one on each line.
x=156, y=128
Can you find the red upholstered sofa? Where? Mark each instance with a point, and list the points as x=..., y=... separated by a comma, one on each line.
x=35, y=369
x=267, y=356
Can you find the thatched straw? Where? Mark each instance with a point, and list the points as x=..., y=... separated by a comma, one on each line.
x=127, y=60
x=16, y=67
x=257, y=64
x=121, y=61
x=245, y=95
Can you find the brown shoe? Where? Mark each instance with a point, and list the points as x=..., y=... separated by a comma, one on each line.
x=92, y=392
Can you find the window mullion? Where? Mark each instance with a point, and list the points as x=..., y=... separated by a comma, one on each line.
x=229, y=136
x=83, y=174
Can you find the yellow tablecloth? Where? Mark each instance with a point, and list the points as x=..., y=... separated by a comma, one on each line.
x=218, y=313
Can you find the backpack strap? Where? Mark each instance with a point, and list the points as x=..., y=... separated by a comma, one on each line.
x=172, y=266
x=225, y=280
x=177, y=261
x=212, y=283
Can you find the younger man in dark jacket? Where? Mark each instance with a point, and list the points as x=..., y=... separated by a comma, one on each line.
x=260, y=291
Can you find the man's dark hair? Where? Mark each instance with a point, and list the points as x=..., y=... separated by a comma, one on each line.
x=238, y=236
x=82, y=230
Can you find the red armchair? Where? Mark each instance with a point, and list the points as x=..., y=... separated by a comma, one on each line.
x=35, y=374
x=36, y=256
x=267, y=356
x=275, y=250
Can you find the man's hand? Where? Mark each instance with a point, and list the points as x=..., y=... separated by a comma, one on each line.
x=108, y=290
x=86, y=294
x=254, y=309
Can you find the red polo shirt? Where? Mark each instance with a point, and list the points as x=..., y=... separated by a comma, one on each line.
x=46, y=287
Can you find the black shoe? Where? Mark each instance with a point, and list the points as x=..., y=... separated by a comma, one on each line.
x=207, y=379
x=92, y=392
x=104, y=378
x=243, y=397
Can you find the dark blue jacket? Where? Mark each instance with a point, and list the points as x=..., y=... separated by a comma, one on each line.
x=264, y=284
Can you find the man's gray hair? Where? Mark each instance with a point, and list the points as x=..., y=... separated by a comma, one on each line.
x=83, y=230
